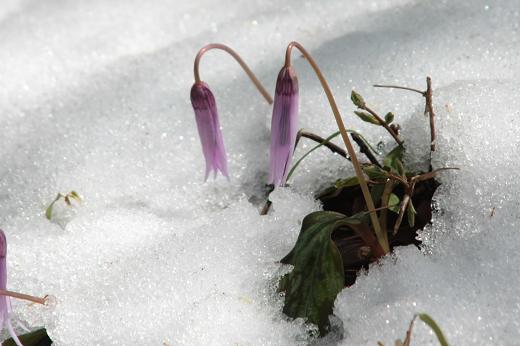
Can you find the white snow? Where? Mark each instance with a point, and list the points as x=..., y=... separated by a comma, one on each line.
x=94, y=97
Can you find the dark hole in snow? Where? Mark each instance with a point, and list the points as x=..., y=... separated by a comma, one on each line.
x=349, y=201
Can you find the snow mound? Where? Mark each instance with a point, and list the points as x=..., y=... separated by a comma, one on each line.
x=94, y=97
x=464, y=278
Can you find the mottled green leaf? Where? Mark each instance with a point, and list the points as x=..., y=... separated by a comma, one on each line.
x=317, y=277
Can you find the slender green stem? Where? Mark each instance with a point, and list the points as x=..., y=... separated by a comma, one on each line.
x=324, y=142
x=335, y=134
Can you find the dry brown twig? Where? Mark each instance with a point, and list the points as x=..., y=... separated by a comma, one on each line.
x=318, y=139
x=409, y=186
x=428, y=108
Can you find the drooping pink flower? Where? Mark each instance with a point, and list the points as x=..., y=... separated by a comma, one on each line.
x=5, y=301
x=284, y=124
x=206, y=116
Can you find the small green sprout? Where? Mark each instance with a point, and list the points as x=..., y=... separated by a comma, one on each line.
x=72, y=195
x=430, y=322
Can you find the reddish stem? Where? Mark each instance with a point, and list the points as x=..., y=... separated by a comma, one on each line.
x=237, y=57
x=381, y=236
x=23, y=296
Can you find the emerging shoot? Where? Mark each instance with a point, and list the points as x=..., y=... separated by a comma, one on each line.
x=73, y=195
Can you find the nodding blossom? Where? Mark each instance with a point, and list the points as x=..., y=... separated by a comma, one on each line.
x=283, y=125
x=5, y=301
x=206, y=113
x=206, y=116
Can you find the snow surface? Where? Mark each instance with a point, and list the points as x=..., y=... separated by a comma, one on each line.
x=94, y=98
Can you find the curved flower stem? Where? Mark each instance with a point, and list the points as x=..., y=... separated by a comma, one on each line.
x=237, y=57
x=23, y=296
x=381, y=236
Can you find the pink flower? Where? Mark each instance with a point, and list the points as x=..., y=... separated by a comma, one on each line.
x=283, y=125
x=5, y=301
x=206, y=116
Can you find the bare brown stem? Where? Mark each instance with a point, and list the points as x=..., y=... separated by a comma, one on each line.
x=429, y=175
x=384, y=124
x=429, y=109
x=402, y=208
x=359, y=173
x=364, y=149
x=314, y=137
x=23, y=296
x=398, y=178
x=408, y=339
x=399, y=87
x=237, y=57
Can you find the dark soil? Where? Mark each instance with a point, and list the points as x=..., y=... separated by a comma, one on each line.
x=355, y=253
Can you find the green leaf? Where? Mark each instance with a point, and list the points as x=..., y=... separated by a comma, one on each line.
x=389, y=117
x=367, y=117
x=317, y=278
x=297, y=163
x=436, y=329
x=393, y=203
x=357, y=99
x=377, y=192
x=374, y=172
x=48, y=211
x=75, y=195
x=36, y=338
x=352, y=181
x=393, y=159
x=411, y=212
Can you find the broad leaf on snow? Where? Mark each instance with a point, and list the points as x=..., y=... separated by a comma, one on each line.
x=317, y=277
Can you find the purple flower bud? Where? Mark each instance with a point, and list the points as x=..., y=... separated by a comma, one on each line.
x=208, y=125
x=283, y=125
x=5, y=301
